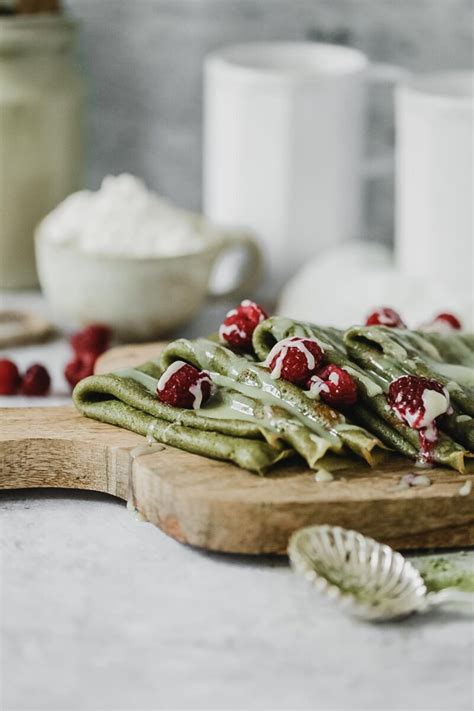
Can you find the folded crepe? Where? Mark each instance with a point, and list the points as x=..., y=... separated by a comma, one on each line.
x=255, y=420
x=377, y=355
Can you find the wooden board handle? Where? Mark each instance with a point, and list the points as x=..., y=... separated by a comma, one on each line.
x=57, y=447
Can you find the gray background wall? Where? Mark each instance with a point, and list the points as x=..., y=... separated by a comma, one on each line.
x=143, y=61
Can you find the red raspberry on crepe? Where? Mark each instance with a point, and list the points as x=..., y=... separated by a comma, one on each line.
x=294, y=359
x=444, y=323
x=183, y=385
x=240, y=323
x=385, y=316
x=334, y=385
x=418, y=401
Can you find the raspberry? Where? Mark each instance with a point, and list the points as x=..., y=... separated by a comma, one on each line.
x=80, y=367
x=418, y=401
x=92, y=339
x=385, y=316
x=183, y=385
x=294, y=359
x=9, y=377
x=36, y=381
x=240, y=323
x=445, y=322
x=334, y=386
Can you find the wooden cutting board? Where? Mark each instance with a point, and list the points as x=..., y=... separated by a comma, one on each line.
x=218, y=506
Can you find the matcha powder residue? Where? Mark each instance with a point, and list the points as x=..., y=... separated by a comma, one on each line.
x=449, y=570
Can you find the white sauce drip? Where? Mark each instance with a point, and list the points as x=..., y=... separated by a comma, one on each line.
x=197, y=393
x=229, y=329
x=149, y=447
x=435, y=404
x=169, y=372
x=150, y=433
x=317, y=386
x=466, y=488
x=409, y=480
x=142, y=449
x=371, y=387
x=323, y=475
x=136, y=513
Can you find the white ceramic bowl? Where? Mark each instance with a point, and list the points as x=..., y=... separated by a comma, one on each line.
x=139, y=298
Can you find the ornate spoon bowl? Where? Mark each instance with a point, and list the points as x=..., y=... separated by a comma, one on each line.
x=370, y=580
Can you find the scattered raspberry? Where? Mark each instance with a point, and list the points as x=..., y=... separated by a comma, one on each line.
x=444, y=323
x=92, y=339
x=334, y=386
x=240, y=323
x=80, y=367
x=385, y=316
x=294, y=359
x=36, y=381
x=183, y=385
x=9, y=377
x=418, y=401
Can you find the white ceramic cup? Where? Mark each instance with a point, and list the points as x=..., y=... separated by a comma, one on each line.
x=139, y=298
x=284, y=135
x=435, y=176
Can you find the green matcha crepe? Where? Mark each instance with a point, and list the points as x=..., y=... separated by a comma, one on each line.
x=128, y=400
x=255, y=420
x=360, y=351
x=390, y=353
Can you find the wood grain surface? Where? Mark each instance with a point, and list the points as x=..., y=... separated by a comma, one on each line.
x=218, y=506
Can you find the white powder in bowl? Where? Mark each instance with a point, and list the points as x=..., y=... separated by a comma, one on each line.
x=125, y=218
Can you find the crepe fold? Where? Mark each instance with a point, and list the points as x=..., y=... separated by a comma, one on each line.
x=375, y=356
x=251, y=420
x=255, y=421
x=447, y=359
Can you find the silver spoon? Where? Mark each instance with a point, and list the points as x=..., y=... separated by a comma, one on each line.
x=369, y=579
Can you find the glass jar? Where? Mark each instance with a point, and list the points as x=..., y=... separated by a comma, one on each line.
x=41, y=152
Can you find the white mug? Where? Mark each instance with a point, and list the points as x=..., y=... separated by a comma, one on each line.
x=284, y=140
x=435, y=176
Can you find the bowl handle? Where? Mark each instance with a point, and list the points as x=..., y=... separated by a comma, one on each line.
x=251, y=271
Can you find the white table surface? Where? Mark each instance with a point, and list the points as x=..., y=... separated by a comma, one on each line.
x=99, y=611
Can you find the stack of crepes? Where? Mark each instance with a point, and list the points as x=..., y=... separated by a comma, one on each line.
x=255, y=420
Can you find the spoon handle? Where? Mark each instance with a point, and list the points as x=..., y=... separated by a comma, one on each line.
x=451, y=596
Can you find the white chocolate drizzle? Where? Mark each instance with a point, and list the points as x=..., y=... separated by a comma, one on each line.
x=228, y=329
x=169, y=372
x=409, y=480
x=466, y=488
x=371, y=387
x=323, y=475
x=317, y=386
x=196, y=389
